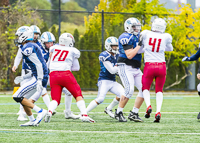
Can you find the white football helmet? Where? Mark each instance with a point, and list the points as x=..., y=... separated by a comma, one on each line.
x=47, y=37
x=132, y=25
x=35, y=29
x=109, y=42
x=24, y=33
x=159, y=25
x=66, y=39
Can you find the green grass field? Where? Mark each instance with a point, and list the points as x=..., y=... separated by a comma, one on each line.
x=178, y=123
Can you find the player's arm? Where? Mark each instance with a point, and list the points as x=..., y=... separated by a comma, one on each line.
x=108, y=65
x=34, y=58
x=169, y=46
x=17, y=61
x=129, y=51
x=75, y=65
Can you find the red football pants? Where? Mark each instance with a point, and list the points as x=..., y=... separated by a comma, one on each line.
x=151, y=71
x=60, y=79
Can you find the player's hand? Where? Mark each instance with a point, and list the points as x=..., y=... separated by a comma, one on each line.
x=18, y=79
x=198, y=76
x=185, y=59
x=14, y=68
x=140, y=40
x=39, y=85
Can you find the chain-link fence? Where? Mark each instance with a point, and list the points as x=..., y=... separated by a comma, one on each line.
x=74, y=22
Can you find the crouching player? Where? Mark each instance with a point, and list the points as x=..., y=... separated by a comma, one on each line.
x=33, y=57
x=64, y=58
x=106, y=81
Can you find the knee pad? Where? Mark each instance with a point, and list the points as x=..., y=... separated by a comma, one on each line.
x=140, y=94
x=129, y=92
x=99, y=100
x=18, y=99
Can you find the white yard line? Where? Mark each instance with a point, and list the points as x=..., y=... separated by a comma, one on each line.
x=102, y=132
x=123, y=112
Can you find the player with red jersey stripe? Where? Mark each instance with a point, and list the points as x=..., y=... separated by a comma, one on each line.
x=63, y=60
x=155, y=43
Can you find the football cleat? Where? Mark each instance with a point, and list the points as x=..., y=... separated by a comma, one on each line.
x=120, y=117
x=198, y=116
x=54, y=112
x=70, y=115
x=148, y=112
x=109, y=112
x=40, y=116
x=134, y=117
x=86, y=118
x=157, y=117
x=47, y=117
x=30, y=123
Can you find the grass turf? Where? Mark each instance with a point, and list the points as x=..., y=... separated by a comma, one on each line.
x=178, y=123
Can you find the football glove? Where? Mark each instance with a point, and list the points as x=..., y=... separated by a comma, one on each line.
x=18, y=79
x=140, y=40
x=185, y=59
x=39, y=85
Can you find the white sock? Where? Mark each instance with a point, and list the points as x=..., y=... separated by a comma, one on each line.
x=21, y=108
x=46, y=100
x=91, y=106
x=113, y=104
x=68, y=101
x=31, y=118
x=119, y=109
x=53, y=105
x=81, y=106
x=159, y=100
x=146, y=96
x=135, y=110
x=36, y=108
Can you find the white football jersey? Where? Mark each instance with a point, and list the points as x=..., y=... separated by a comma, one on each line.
x=155, y=44
x=62, y=57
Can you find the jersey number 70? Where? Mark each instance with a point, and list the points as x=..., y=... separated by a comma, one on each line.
x=154, y=44
x=64, y=52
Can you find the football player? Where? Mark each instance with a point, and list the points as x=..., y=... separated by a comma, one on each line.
x=155, y=43
x=106, y=80
x=194, y=58
x=129, y=63
x=63, y=60
x=32, y=56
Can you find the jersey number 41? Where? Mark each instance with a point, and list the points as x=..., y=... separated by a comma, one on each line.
x=153, y=44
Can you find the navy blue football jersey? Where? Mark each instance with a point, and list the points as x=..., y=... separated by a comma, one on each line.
x=104, y=73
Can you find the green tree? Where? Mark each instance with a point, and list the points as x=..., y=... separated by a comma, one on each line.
x=89, y=5
x=44, y=28
x=11, y=19
x=76, y=37
x=54, y=15
x=54, y=31
x=41, y=4
x=76, y=18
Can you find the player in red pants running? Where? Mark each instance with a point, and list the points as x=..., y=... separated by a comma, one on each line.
x=63, y=59
x=155, y=43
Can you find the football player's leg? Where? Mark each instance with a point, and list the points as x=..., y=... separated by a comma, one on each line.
x=118, y=90
x=75, y=90
x=126, y=76
x=103, y=87
x=159, y=84
x=147, y=79
x=134, y=116
x=68, y=100
x=56, y=90
x=198, y=89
